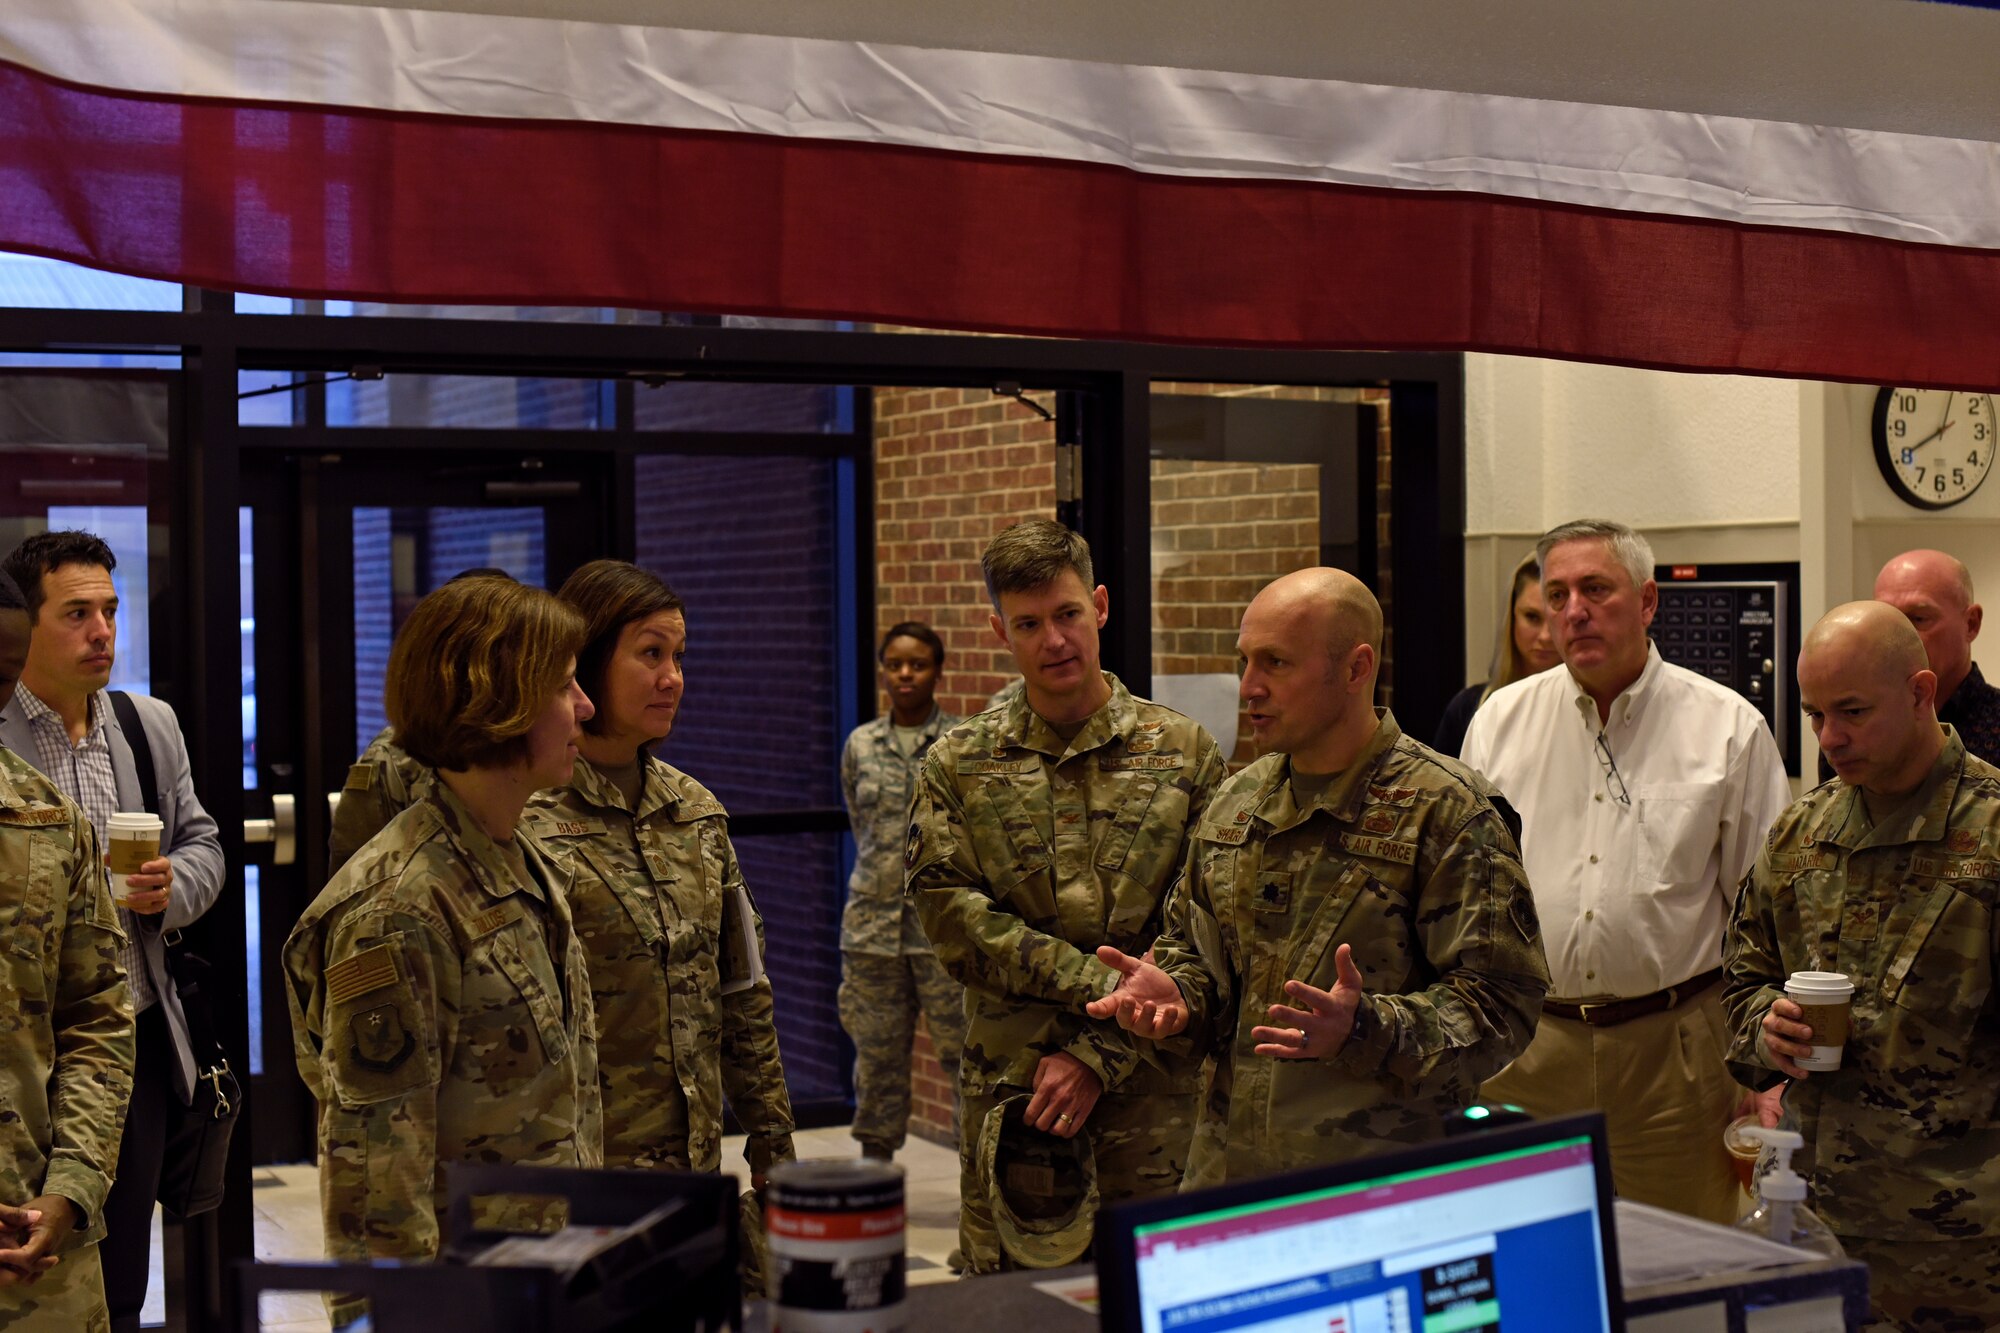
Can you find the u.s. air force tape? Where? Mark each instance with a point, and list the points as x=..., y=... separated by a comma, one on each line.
x=370, y=970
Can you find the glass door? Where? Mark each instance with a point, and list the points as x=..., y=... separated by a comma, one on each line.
x=1249, y=482
x=337, y=549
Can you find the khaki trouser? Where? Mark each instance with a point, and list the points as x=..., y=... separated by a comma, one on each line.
x=1665, y=1092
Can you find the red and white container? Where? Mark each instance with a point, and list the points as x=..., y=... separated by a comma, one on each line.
x=836, y=1238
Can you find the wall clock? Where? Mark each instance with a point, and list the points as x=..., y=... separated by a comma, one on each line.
x=1934, y=446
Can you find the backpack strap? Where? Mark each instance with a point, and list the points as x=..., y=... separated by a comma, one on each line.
x=127, y=714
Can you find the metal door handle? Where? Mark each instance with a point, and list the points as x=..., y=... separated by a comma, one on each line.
x=281, y=830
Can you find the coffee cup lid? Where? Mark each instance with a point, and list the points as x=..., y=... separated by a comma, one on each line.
x=1820, y=983
x=135, y=821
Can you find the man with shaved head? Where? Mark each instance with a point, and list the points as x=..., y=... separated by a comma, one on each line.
x=1352, y=938
x=1645, y=791
x=1890, y=876
x=1935, y=591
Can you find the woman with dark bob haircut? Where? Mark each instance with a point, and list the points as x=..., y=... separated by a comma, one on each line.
x=683, y=1016
x=440, y=997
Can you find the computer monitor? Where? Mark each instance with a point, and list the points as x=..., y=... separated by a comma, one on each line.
x=1509, y=1230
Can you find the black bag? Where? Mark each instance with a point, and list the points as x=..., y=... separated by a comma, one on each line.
x=191, y=1170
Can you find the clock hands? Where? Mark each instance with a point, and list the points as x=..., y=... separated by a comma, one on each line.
x=1941, y=429
x=1932, y=436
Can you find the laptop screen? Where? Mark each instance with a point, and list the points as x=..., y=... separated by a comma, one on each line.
x=1507, y=1229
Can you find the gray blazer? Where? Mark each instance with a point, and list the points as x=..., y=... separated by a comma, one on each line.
x=190, y=841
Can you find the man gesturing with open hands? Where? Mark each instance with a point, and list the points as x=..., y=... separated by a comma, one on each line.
x=1352, y=936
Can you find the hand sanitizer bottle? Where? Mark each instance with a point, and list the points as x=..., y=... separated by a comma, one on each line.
x=1781, y=1212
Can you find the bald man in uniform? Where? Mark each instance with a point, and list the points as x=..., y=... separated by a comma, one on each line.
x=1890, y=876
x=1935, y=591
x=1352, y=937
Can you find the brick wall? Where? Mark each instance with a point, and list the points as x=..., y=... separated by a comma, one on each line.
x=952, y=467
x=1222, y=530
x=955, y=466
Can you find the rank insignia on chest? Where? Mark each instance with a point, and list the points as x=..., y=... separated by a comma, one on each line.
x=1274, y=892
x=914, y=847
x=1860, y=920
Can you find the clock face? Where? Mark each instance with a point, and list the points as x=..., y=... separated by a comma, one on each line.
x=1934, y=446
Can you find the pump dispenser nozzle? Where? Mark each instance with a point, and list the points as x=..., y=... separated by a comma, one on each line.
x=1781, y=1212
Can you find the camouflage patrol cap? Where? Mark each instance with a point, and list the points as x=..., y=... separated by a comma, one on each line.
x=1043, y=1189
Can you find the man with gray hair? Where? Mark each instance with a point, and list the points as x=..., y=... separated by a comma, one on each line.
x=1645, y=794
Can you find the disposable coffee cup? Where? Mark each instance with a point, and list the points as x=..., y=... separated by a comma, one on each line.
x=1826, y=999
x=131, y=839
x=1742, y=1149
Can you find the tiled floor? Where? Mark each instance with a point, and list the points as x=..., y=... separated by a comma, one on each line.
x=287, y=1216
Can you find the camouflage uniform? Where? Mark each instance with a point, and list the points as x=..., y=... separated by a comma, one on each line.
x=69, y=1059
x=380, y=785
x=652, y=894
x=887, y=969
x=440, y=1007
x=1413, y=867
x=1902, y=1141
x=649, y=895
x=1025, y=854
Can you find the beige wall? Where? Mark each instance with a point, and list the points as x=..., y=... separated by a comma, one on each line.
x=1710, y=467
x=1707, y=466
x=1860, y=522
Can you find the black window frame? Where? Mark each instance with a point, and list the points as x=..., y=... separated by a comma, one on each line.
x=1106, y=388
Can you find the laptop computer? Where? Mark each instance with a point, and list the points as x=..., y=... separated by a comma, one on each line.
x=1508, y=1229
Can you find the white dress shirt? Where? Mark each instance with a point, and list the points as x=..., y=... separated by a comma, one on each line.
x=1633, y=897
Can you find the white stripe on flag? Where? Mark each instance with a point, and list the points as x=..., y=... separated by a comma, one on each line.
x=1148, y=118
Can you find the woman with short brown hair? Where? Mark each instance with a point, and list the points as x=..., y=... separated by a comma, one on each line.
x=440, y=998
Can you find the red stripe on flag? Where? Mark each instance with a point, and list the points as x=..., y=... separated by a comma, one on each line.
x=319, y=202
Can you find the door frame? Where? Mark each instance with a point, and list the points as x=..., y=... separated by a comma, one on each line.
x=303, y=556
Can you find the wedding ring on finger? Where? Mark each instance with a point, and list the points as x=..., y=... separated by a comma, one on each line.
x=1064, y=1118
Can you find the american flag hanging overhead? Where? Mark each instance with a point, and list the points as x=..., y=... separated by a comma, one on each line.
x=381, y=153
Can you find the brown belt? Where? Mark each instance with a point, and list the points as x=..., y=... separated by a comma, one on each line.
x=1610, y=1013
